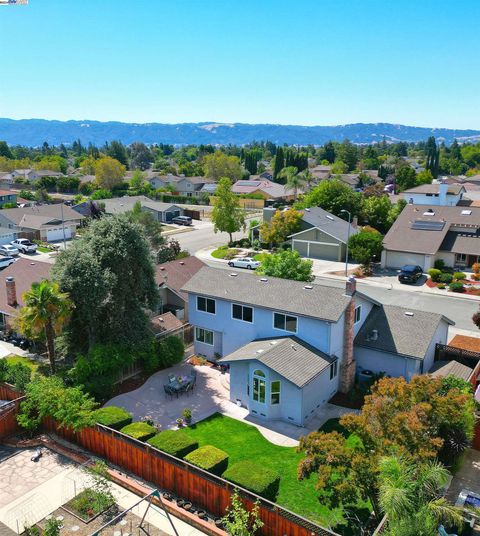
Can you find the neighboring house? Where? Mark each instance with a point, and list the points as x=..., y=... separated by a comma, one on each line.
x=290, y=345
x=7, y=235
x=322, y=235
x=18, y=278
x=264, y=187
x=422, y=234
x=49, y=223
x=209, y=189
x=33, y=175
x=162, y=212
x=7, y=197
x=438, y=194
x=170, y=278
x=186, y=186
x=162, y=325
x=6, y=177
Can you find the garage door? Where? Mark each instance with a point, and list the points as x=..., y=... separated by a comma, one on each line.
x=170, y=215
x=301, y=247
x=57, y=234
x=323, y=251
x=397, y=259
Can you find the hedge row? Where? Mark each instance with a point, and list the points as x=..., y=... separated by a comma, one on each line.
x=139, y=430
x=255, y=478
x=174, y=442
x=209, y=458
x=113, y=417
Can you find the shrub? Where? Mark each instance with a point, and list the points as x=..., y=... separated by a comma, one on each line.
x=17, y=374
x=476, y=277
x=459, y=276
x=441, y=286
x=475, y=266
x=439, y=264
x=139, y=430
x=434, y=274
x=209, y=458
x=456, y=286
x=170, y=350
x=446, y=278
x=254, y=478
x=113, y=417
x=174, y=442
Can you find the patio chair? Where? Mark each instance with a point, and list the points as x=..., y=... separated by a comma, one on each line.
x=168, y=391
x=188, y=387
x=171, y=378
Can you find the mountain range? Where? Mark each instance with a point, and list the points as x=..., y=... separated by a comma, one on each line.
x=33, y=132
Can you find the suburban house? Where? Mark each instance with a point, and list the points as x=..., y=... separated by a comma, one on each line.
x=6, y=177
x=186, y=186
x=424, y=233
x=290, y=345
x=7, y=197
x=170, y=278
x=264, y=187
x=437, y=193
x=33, y=175
x=17, y=279
x=48, y=223
x=162, y=212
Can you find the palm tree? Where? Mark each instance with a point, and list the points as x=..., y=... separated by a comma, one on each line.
x=45, y=312
x=410, y=494
x=293, y=180
x=308, y=177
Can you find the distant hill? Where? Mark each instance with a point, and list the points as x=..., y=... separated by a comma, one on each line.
x=33, y=132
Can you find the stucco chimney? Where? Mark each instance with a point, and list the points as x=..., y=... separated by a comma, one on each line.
x=11, y=291
x=442, y=193
x=348, y=365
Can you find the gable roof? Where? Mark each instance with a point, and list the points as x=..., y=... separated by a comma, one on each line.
x=332, y=225
x=402, y=237
x=441, y=369
x=25, y=272
x=434, y=188
x=255, y=184
x=296, y=297
x=120, y=205
x=40, y=214
x=295, y=360
x=400, y=330
x=175, y=274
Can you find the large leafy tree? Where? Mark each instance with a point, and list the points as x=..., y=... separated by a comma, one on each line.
x=334, y=196
x=44, y=314
x=405, y=178
x=411, y=495
x=117, y=150
x=366, y=246
x=151, y=226
x=218, y=165
x=227, y=216
x=109, y=172
x=140, y=156
x=283, y=224
x=109, y=275
x=287, y=265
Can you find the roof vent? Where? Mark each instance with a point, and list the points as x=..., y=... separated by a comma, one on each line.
x=234, y=274
x=373, y=335
x=466, y=212
x=162, y=268
x=293, y=347
x=259, y=351
x=308, y=287
x=32, y=264
x=429, y=212
x=263, y=279
x=182, y=263
x=307, y=210
x=408, y=313
x=329, y=217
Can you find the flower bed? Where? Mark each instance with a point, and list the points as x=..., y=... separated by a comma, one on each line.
x=88, y=504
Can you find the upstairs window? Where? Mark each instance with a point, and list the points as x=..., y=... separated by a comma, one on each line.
x=333, y=370
x=358, y=314
x=241, y=312
x=207, y=305
x=285, y=322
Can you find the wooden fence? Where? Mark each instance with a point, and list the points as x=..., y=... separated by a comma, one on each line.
x=9, y=411
x=183, y=479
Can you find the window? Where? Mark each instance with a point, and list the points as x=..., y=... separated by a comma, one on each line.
x=358, y=314
x=275, y=392
x=259, y=386
x=285, y=322
x=460, y=257
x=204, y=335
x=240, y=312
x=333, y=369
x=206, y=305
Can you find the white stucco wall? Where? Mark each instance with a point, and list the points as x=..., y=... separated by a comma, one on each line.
x=389, y=364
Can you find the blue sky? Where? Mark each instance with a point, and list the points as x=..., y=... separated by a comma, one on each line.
x=311, y=62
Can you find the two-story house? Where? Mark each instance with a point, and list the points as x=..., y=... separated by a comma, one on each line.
x=436, y=194
x=7, y=197
x=291, y=345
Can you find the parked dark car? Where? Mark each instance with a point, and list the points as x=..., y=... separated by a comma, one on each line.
x=410, y=274
x=182, y=220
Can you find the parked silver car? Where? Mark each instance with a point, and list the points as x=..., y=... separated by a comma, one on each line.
x=6, y=261
x=9, y=251
x=244, y=262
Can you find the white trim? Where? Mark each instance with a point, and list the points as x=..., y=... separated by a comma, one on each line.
x=315, y=242
x=242, y=306
x=285, y=315
x=279, y=392
x=321, y=230
x=204, y=331
x=206, y=298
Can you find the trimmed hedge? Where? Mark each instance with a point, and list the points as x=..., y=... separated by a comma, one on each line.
x=174, y=442
x=255, y=478
x=209, y=458
x=113, y=416
x=139, y=430
x=456, y=286
x=459, y=276
x=446, y=278
x=434, y=274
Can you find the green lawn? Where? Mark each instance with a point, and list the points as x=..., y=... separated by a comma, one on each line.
x=223, y=251
x=244, y=442
x=13, y=359
x=41, y=249
x=261, y=256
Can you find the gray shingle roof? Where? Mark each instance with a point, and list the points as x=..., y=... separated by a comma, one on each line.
x=447, y=368
x=399, y=332
x=290, y=357
x=319, y=301
x=43, y=212
x=332, y=225
x=119, y=205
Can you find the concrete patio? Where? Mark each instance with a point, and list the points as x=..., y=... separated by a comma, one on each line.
x=211, y=395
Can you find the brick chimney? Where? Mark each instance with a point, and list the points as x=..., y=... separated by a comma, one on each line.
x=11, y=291
x=348, y=366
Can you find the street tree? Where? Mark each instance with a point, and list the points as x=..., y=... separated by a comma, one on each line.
x=227, y=216
x=287, y=265
x=109, y=172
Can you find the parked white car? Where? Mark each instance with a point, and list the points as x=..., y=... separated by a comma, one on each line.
x=244, y=262
x=6, y=261
x=9, y=251
x=24, y=245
